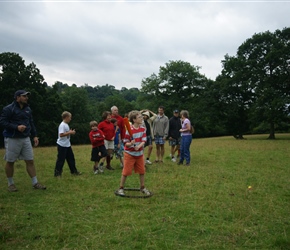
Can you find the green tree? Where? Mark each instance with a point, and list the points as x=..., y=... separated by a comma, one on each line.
x=177, y=85
x=261, y=72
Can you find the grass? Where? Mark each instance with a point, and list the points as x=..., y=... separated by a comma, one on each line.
x=204, y=206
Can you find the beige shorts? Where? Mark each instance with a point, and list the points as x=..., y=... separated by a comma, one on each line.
x=109, y=144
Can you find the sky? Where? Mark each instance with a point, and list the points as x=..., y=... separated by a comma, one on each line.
x=120, y=43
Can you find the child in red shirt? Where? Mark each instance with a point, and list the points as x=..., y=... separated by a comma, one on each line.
x=133, y=152
x=99, y=151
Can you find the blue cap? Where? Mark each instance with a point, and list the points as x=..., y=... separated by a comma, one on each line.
x=21, y=92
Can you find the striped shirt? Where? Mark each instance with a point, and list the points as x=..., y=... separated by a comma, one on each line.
x=139, y=135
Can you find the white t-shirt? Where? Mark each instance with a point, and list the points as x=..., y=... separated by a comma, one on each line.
x=65, y=140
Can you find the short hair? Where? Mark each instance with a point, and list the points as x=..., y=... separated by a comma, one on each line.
x=161, y=107
x=114, y=107
x=185, y=113
x=65, y=114
x=93, y=124
x=105, y=114
x=113, y=120
x=133, y=115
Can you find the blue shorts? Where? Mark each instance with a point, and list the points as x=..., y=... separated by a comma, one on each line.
x=119, y=151
x=159, y=140
x=148, y=141
x=18, y=148
x=175, y=142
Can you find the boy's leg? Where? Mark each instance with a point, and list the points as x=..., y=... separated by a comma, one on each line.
x=70, y=158
x=61, y=155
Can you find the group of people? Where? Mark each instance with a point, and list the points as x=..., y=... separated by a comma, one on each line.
x=109, y=137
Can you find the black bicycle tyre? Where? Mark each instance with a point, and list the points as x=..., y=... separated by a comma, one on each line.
x=133, y=196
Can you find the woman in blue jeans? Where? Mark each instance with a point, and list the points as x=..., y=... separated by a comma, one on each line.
x=186, y=138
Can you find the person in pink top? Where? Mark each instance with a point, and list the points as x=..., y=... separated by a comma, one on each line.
x=133, y=152
x=186, y=138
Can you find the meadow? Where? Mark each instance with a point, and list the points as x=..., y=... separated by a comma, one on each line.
x=205, y=206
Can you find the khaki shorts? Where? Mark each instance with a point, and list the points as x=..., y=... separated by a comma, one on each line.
x=18, y=148
x=109, y=144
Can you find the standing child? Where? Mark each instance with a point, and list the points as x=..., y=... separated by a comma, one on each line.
x=64, y=147
x=118, y=145
x=99, y=151
x=133, y=156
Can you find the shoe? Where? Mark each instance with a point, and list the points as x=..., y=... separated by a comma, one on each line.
x=121, y=191
x=173, y=159
x=148, y=162
x=39, y=186
x=101, y=170
x=145, y=191
x=12, y=188
x=96, y=170
x=77, y=173
x=187, y=164
x=179, y=163
x=109, y=168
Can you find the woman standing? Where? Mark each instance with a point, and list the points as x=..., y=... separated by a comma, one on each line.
x=186, y=138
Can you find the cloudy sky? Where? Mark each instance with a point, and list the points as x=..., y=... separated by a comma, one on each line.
x=122, y=42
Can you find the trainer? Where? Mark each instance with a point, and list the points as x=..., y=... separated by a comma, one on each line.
x=16, y=119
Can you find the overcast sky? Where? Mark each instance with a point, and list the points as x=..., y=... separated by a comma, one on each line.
x=122, y=42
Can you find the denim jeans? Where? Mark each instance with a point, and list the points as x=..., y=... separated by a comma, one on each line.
x=184, y=148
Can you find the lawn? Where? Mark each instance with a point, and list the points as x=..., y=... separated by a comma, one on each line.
x=205, y=206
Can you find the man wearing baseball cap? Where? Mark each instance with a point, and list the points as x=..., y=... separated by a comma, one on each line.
x=16, y=119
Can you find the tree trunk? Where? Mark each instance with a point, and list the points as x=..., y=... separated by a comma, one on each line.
x=272, y=131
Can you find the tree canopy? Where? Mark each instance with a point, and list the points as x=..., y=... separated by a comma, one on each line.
x=251, y=94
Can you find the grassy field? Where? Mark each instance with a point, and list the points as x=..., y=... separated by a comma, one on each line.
x=205, y=206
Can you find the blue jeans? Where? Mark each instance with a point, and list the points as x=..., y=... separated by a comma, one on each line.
x=184, y=148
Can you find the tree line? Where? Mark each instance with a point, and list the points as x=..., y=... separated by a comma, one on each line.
x=250, y=95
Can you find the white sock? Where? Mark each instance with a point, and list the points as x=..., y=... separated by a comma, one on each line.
x=34, y=180
x=10, y=181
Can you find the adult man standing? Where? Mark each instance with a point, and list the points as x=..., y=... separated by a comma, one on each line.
x=16, y=119
x=174, y=134
x=160, y=131
x=120, y=121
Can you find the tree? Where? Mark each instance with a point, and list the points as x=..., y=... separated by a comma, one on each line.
x=176, y=86
x=261, y=71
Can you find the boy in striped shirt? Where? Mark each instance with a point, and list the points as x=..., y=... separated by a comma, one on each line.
x=133, y=152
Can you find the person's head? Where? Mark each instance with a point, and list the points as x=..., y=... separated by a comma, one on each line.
x=94, y=125
x=114, y=110
x=114, y=121
x=21, y=96
x=135, y=116
x=184, y=113
x=66, y=116
x=106, y=115
x=145, y=115
x=160, y=110
x=176, y=113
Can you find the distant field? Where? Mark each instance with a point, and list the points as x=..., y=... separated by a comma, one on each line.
x=205, y=206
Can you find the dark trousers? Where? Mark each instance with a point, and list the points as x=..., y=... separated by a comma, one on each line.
x=65, y=153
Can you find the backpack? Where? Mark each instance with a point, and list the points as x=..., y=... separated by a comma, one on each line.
x=192, y=130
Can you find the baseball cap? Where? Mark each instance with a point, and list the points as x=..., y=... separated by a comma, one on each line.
x=146, y=113
x=21, y=92
x=176, y=111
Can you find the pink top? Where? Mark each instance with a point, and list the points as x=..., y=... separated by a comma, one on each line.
x=183, y=126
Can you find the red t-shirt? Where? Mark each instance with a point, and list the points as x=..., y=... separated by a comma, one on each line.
x=97, y=138
x=108, y=129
